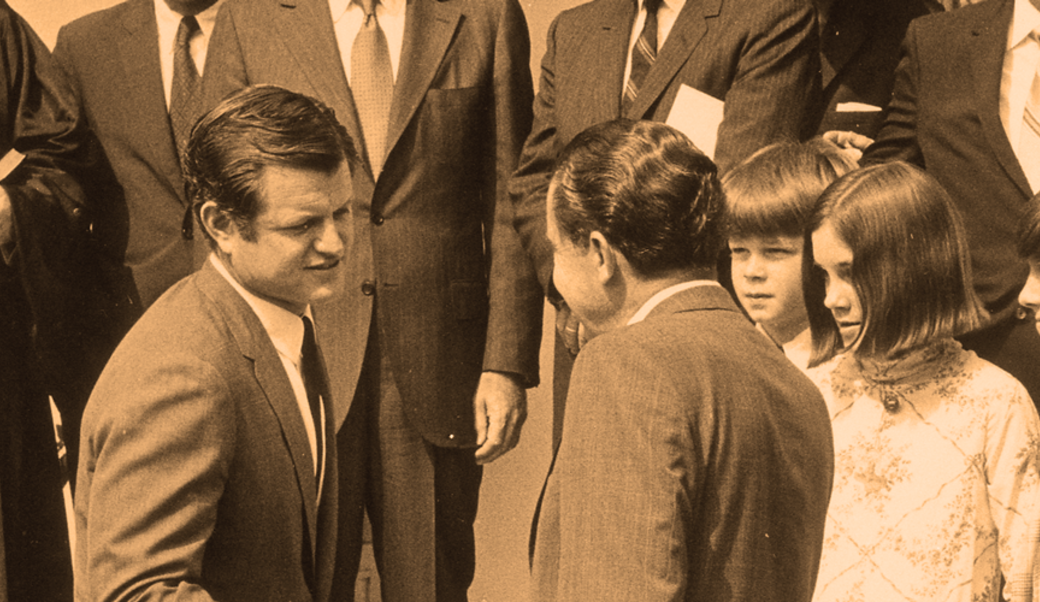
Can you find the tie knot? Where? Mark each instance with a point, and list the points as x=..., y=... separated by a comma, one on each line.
x=188, y=28
x=652, y=6
x=308, y=332
x=368, y=7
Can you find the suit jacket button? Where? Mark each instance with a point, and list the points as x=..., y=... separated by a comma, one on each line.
x=368, y=288
x=377, y=219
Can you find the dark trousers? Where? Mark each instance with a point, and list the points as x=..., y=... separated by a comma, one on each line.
x=421, y=499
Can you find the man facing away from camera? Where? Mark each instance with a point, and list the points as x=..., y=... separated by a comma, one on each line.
x=696, y=460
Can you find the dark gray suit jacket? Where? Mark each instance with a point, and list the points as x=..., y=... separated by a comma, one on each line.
x=112, y=60
x=760, y=56
x=696, y=464
x=433, y=239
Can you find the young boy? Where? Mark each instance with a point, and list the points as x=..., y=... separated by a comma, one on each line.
x=768, y=200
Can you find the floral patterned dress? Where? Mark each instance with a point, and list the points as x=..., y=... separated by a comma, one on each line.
x=936, y=491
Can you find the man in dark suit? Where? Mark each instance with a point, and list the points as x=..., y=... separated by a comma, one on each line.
x=54, y=323
x=859, y=51
x=759, y=56
x=208, y=465
x=439, y=328
x=134, y=84
x=696, y=460
x=958, y=110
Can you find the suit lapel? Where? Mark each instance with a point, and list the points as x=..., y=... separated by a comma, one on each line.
x=842, y=36
x=142, y=91
x=270, y=374
x=987, y=42
x=306, y=28
x=429, y=29
x=686, y=34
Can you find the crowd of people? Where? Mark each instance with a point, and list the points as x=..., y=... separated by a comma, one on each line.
x=281, y=265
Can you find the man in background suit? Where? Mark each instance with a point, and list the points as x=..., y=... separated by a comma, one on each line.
x=438, y=331
x=135, y=68
x=696, y=460
x=208, y=467
x=958, y=111
x=759, y=56
x=859, y=51
x=55, y=323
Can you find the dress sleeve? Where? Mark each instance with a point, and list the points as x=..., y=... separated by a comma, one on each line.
x=1014, y=493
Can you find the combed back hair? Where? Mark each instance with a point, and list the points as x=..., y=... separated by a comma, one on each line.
x=647, y=189
x=772, y=192
x=253, y=128
x=1029, y=233
x=910, y=262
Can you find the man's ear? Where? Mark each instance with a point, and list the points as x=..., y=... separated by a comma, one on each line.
x=219, y=224
x=603, y=255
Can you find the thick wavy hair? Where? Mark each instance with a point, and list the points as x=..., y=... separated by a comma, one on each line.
x=256, y=127
x=647, y=189
x=910, y=262
x=773, y=192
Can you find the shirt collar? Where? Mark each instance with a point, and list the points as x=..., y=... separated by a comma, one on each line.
x=169, y=19
x=1025, y=20
x=283, y=326
x=672, y=5
x=338, y=8
x=663, y=294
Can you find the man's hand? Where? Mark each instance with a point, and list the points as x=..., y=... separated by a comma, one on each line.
x=852, y=143
x=571, y=330
x=6, y=227
x=500, y=408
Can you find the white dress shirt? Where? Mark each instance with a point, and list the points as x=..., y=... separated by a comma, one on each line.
x=663, y=294
x=667, y=13
x=1020, y=61
x=348, y=17
x=169, y=22
x=285, y=330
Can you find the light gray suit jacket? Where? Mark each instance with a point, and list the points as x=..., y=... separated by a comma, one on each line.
x=696, y=464
x=196, y=479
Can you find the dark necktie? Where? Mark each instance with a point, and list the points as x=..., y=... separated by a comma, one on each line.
x=184, y=95
x=312, y=370
x=644, y=53
x=372, y=84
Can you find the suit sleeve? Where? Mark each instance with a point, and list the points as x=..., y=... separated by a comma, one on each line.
x=897, y=139
x=155, y=460
x=530, y=183
x=776, y=84
x=622, y=471
x=515, y=318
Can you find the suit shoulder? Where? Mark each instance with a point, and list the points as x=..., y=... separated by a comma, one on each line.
x=92, y=23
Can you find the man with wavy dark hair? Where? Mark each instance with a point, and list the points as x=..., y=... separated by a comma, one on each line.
x=208, y=466
x=696, y=460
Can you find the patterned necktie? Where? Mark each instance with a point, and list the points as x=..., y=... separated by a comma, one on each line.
x=644, y=53
x=313, y=372
x=372, y=84
x=184, y=96
x=1029, y=139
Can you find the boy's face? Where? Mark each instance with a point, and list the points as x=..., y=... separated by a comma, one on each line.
x=1030, y=295
x=767, y=277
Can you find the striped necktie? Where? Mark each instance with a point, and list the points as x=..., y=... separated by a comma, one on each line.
x=1029, y=139
x=372, y=84
x=644, y=53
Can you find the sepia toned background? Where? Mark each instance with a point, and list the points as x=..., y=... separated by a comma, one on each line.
x=512, y=484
